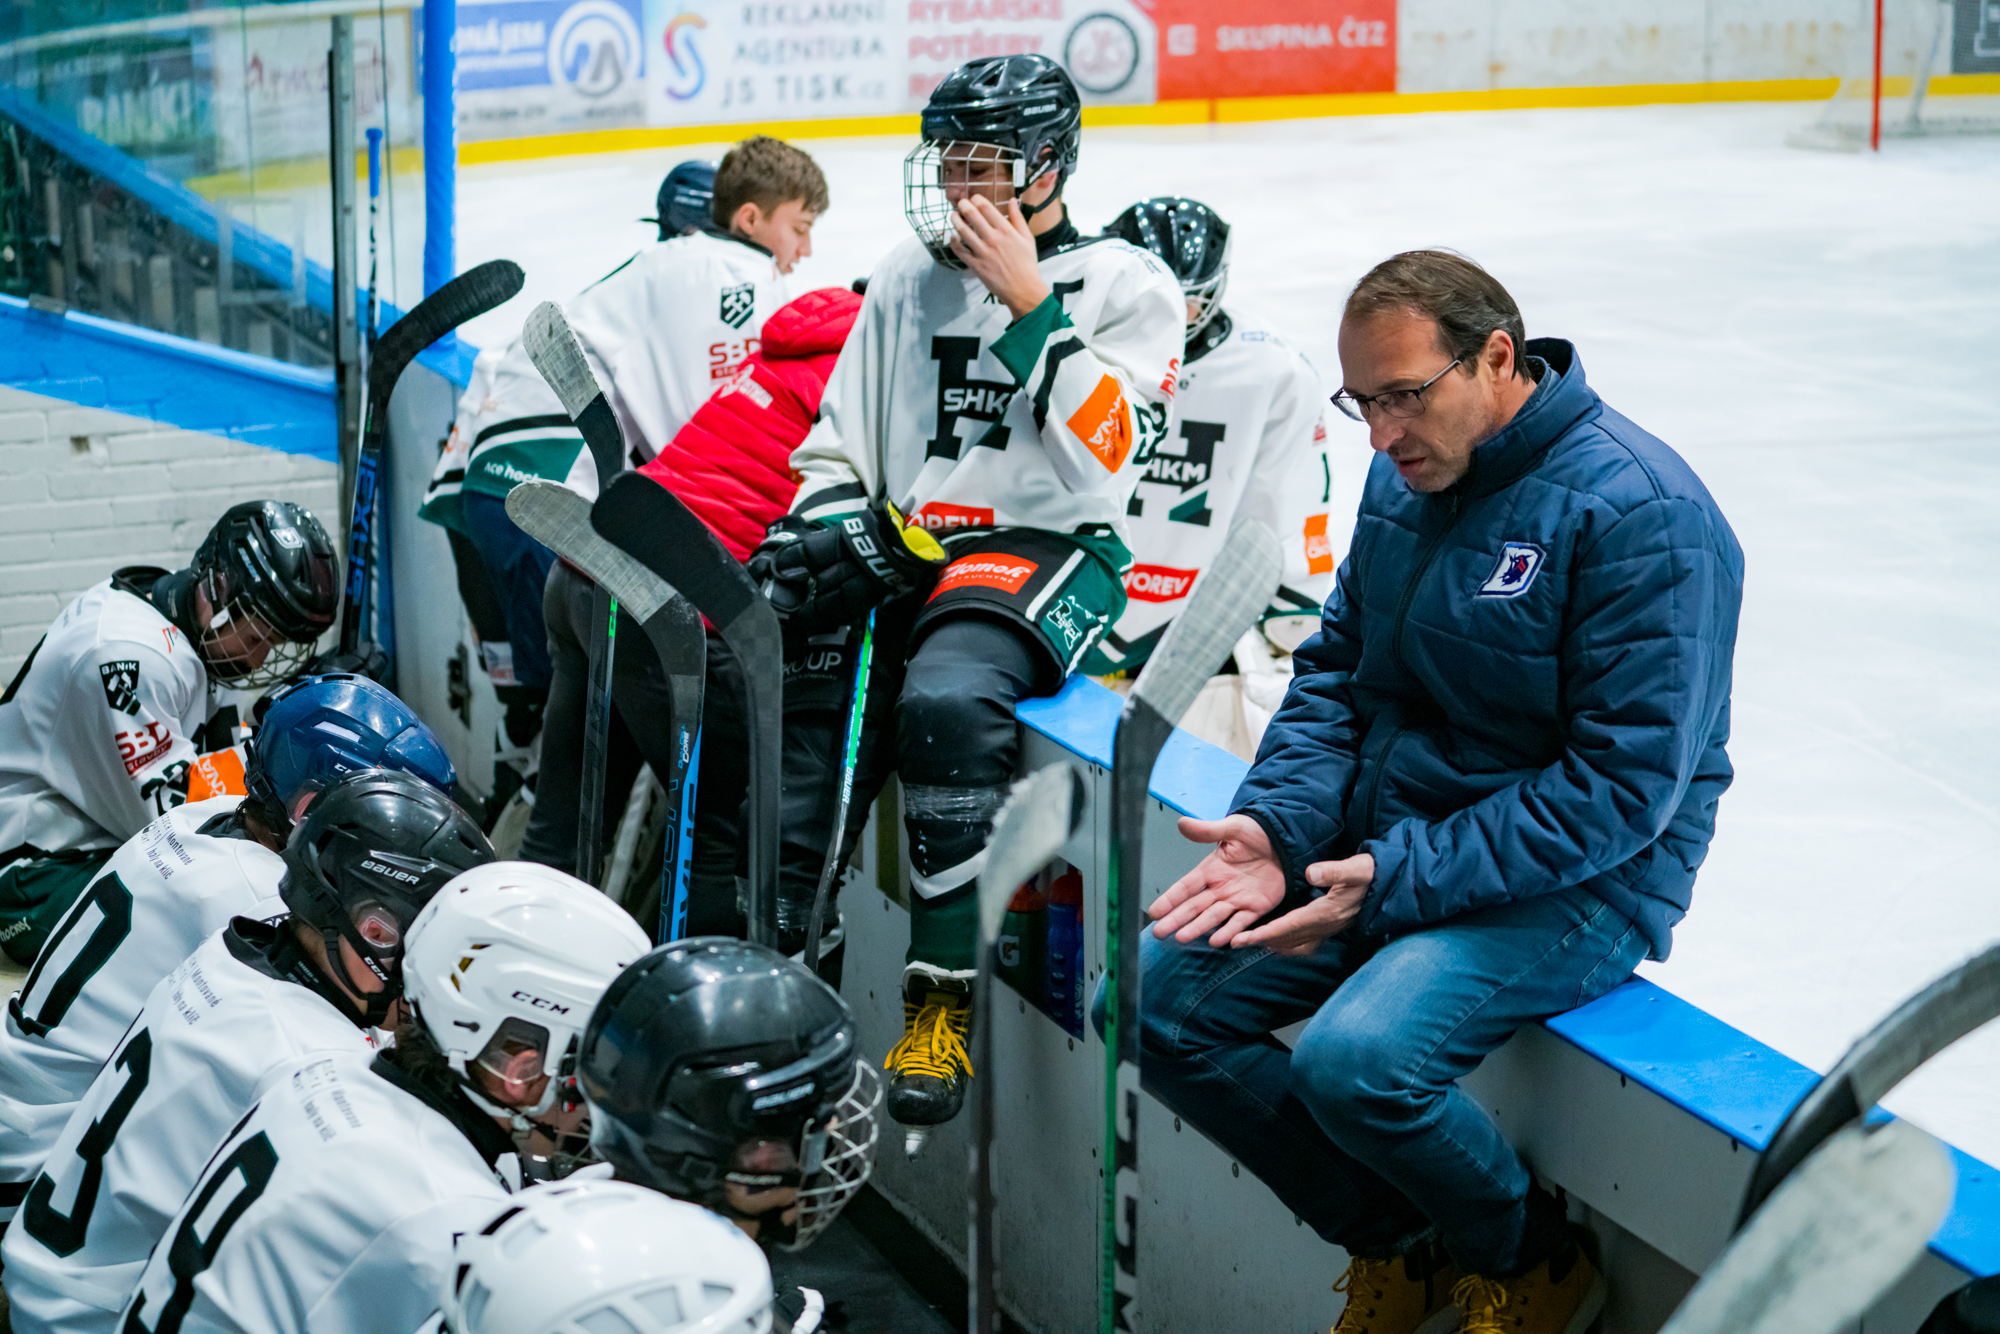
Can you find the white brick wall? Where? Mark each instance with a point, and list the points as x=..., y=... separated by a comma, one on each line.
x=84, y=491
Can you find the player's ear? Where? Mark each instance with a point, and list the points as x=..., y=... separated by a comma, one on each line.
x=749, y=217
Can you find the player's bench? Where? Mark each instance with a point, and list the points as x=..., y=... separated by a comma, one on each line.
x=1646, y=1110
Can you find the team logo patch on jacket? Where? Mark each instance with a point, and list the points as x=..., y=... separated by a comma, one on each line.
x=1319, y=550
x=1158, y=583
x=1519, y=563
x=1103, y=424
x=988, y=569
x=121, y=684
x=737, y=303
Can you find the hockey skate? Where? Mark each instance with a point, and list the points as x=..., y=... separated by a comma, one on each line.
x=1411, y=1294
x=1562, y=1295
x=929, y=1068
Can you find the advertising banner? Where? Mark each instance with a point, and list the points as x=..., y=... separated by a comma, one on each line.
x=1265, y=48
x=549, y=66
x=712, y=62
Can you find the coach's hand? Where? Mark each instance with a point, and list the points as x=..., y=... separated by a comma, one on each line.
x=1000, y=250
x=1227, y=890
x=1301, y=930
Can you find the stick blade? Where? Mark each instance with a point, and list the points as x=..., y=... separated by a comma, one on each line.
x=1954, y=1005
x=1225, y=601
x=559, y=519
x=1042, y=813
x=1836, y=1236
x=468, y=296
x=639, y=516
x=552, y=346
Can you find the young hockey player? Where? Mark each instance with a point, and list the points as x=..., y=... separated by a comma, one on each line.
x=720, y=1072
x=661, y=331
x=731, y=465
x=252, y=1000
x=604, y=1255
x=1247, y=443
x=98, y=729
x=334, y=1204
x=172, y=886
x=969, y=476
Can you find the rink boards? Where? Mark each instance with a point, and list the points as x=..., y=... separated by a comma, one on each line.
x=1647, y=1111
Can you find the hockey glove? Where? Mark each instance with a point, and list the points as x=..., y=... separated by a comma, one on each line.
x=818, y=579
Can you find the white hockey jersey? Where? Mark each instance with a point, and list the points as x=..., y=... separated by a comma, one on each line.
x=331, y=1209
x=967, y=418
x=159, y=897
x=1248, y=442
x=98, y=725
x=661, y=333
x=212, y=1038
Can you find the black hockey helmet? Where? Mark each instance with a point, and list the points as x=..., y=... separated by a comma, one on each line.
x=686, y=202
x=1193, y=240
x=273, y=560
x=1026, y=113
x=716, y=1069
x=372, y=850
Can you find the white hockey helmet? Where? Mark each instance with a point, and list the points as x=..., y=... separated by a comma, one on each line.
x=594, y=1256
x=504, y=965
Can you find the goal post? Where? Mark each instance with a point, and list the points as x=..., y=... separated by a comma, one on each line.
x=1897, y=79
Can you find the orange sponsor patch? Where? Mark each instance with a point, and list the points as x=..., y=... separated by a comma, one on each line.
x=1103, y=424
x=1319, y=551
x=938, y=516
x=218, y=774
x=989, y=569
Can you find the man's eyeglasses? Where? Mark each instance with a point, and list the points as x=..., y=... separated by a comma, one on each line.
x=1394, y=402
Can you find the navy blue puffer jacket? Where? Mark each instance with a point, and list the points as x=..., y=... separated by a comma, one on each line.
x=1521, y=683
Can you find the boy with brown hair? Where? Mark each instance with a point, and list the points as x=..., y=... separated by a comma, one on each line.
x=661, y=331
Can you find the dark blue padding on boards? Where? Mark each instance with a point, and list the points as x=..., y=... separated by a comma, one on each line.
x=100, y=363
x=1652, y=1037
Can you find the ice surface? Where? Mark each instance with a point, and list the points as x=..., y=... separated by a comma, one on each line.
x=1818, y=334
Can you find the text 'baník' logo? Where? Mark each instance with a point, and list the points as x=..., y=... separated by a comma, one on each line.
x=1158, y=583
x=737, y=302
x=1516, y=569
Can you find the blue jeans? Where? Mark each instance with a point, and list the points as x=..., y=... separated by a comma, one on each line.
x=1361, y=1130
x=518, y=567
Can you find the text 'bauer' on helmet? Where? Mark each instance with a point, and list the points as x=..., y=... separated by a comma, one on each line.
x=722, y=1072
x=371, y=851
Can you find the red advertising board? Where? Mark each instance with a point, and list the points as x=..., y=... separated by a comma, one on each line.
x=1267, y=48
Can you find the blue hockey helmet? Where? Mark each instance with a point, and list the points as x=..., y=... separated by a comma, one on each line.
x=322, y=727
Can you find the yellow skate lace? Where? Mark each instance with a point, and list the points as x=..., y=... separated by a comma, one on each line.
x=933, y=1039
x=1482, y=1300
x=1362, y=1283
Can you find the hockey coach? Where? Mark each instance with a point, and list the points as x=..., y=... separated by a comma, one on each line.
x=1483, y=803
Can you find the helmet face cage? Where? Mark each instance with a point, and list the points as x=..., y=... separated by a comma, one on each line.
x=839, y=1155
x=937, y=174
x=235, y=618
x=1204, y=299
x=270, y=564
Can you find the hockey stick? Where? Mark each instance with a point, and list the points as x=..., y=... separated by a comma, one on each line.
x=650, y=522
x=465, y=297
x=1833, y=1238
x=1921, y=1027
x=1224, y=602
x=856, y=704
x=552, y=346
x=1042, y=813
x=559, y=519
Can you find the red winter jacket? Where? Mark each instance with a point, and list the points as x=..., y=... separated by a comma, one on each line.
x=731, y=464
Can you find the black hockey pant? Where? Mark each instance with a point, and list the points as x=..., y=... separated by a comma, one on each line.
x=945, y=721
x=639, y=695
